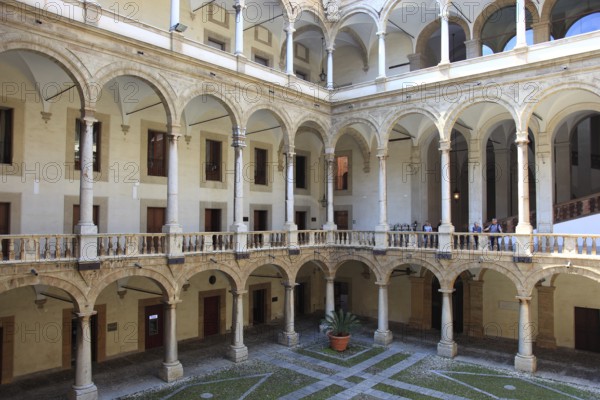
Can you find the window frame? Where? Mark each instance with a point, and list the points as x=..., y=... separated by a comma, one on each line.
x=151, y=134
x=213, y=169
x=261, y=167
x=7, y=145
x=348, y=187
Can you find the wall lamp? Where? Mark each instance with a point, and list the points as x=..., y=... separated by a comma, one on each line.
x=179, y=27
x=137, y=265
x=34, y=272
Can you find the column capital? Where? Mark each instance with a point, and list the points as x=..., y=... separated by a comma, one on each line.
x=86, y=314
x=447, y=291
x=239, y=137
x=330, y=279
x=329, y=157
x=172, y=303
x=445, y=146
x=523, y=298
x=289, y=284
x=239, y=5
x=289, y=27
x=381, y=34
x=289, y=149
x=330, y=49
x=521, y=139
x=382, y=152
x=89, y=119
x=238, y=292
x=383, y=285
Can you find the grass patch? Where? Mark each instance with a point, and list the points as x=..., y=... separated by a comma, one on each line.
x=403, y=392
x=464, y=379
x=387, y=363
x=355, y=379
x=230, y=384
x=332, y=356
x=325, y=393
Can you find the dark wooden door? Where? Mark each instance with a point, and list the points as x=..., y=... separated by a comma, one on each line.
x=212, y=220
x=587, y=329
x=259, y=306
x=301, y=220
x=211, y=315
x=4, y=227
x=154, y=317
x=155, y=219
x=341, y=220
x=260, y=220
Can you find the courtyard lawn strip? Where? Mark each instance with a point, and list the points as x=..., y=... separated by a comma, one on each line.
x=325, y=393
x=387, y=363
x=402, y=392
x=330, y=356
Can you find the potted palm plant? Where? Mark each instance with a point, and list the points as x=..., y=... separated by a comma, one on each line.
x=338, y=326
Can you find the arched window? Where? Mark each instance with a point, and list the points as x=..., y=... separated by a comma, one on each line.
x=589, y=23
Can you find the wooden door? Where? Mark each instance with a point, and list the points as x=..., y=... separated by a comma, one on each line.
x=301, y=220
x=299, y=298
x=587, y=329
x=154, y=329
x=155, y=219
x=212, y=220
x=341, y=220
x=259, y=306
x=4, y=227
x=211, y=315
x=260, y=220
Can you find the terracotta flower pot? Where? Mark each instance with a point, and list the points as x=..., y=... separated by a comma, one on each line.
x=338, y=343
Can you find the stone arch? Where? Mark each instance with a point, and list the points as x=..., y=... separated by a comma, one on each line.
x=279, y=114
x=230, y=272
x=509, y=272
x=318, y=126
x=299, y=31
x=338, y=130
x=323, y=262
x=494, y=6
x=286, y=271
x=394, y=118
x=529, y=110
x=549, y=271
x=429, y=29
x=362, y=48
x=71, y=65
x=230, y=106
x=547, y=10
x=422, y=263
x=168, y=287
x=166, y=94
x=75, y=292
x=455, y=112
x=559, y=118
x=357, y=9
x=340, y=261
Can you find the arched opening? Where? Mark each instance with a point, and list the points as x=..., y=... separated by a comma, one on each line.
x=457, y=51
x=266, y=294
x=355, y=290
x=574, y=18
x=309, y=292
x=499, y=30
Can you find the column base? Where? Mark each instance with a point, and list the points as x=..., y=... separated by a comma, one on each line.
x=329, y=226
x=447, y=349
x=289, y=339
x=526, y=363
x=89, y=392
x=238, y=354
x=383, y=338
x=170, y=372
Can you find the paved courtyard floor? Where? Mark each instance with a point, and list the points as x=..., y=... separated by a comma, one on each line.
x=407, y=369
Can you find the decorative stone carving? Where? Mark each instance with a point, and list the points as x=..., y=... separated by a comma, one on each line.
x=332, y=10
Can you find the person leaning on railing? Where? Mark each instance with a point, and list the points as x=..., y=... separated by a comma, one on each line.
x=494, y=227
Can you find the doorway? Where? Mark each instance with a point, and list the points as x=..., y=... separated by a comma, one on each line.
x=154, y=329
x=300, y=299
x=457, y=305
x=341, y=220
x=587, y=329
x=212, y=220
x=212, y=306
x=259, y=306
x=341, y=296
x=301, y=220
x=4, y=228
x=155, y=219
x=260, y=220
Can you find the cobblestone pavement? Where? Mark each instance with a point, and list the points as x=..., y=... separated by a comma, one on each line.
x=138, y=372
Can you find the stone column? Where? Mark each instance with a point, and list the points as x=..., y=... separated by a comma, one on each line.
x=477, y=190
x=289, y=337
x=330, y=67
x=541, y=32
x=524, y=225
x=329, y=296
x=417, y=286
x=476, y=321
x=445, y=34
x=447, y=345
x=238, y=352
x=84, y=388
x=521, y=24
x=289, y=190
x=525, y=360
x=172, y=227
x=383, y=336
x=289, y=61
x=545, y=337
x=381, y=36
x=329, y=159
x=473, y=48
x=446, y=229
x=174, y=14
x=88, y=247
x=171, y=367
x=382, y=228
x=238, y=227
x=545, y=187
x=239, y=27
